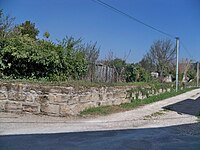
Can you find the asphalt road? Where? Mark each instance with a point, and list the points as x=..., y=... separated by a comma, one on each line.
x=181, y=137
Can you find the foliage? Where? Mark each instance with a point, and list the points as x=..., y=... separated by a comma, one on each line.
x=198, y=118
x=119, y=66
x=135, y=73
x=23, y=57
x=28, y=28
x=91, y=53
x=6, y=25
x=150, y=89
x=191, y=73
x=74, y=62
x=147, y=64
x=46, y=34
x=160, y=57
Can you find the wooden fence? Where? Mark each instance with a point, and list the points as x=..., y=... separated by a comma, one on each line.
x=101, y=73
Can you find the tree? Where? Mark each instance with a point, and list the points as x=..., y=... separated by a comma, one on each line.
x=136, y=73
x=91, y=52
x=74, y=63
x=46, y=34
x=147, y=63
x=28, y=28
x=119, y=65
x=6, y=24
x=160, y=57
x=184, y=67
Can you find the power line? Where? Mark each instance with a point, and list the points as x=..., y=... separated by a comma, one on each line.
x=131, y=17
x=185, y=48
x=139, y=21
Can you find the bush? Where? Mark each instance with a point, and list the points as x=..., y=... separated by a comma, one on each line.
x=24, y=57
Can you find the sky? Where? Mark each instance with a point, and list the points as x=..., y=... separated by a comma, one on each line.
x=114, y=32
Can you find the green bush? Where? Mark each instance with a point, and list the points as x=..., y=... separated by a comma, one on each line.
x=24, y=57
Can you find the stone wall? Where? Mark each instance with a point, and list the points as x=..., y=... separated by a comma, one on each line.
x=57, y=100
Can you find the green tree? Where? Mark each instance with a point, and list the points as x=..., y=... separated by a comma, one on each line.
x=28, y=28
x=119, y=66
x=22, y=57
x=74, y=62
x=46, y=34
x=136, y=73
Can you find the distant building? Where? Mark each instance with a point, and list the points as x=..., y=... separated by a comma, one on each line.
x=168, y=79
x=155, y=74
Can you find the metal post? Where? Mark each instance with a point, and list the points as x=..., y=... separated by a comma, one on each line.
x=177, y=53
x=197, y=74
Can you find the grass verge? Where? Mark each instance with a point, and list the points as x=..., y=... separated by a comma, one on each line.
x=105, y=110
x=198, y=118
x=72, y=83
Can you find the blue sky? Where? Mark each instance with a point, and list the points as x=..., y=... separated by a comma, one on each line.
x=112, y=31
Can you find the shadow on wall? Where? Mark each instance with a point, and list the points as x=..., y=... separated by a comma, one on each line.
x=188, y=106
x=181, y=137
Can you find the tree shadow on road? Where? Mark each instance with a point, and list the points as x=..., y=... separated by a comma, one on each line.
x=188, y=106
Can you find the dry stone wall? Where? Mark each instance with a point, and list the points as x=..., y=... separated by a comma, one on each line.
x=57, y=100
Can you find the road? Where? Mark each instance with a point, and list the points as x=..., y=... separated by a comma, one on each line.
x=168, y=124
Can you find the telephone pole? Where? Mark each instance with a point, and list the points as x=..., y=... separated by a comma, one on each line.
x=197, y=74
x=177, y=54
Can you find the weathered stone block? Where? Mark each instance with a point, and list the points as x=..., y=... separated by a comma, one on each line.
x=50, y=109
x=33, y=92
x=13, y=106
x=102, y=96
x=168, y=90
x=15, y=96
x=106, y=102
x=53, y=90
x=3, y=95
x=85, y=98
x=65, y=110
x=42, y=99
x=18, y=87
x=76, y=109
x=140, y=95
x=109, y=95
x=68, y=90
x=126, y=100
x=73, y=100
x=2, y=105
x=116, y=102
x=29, y=98
x=3, y=87
x=95, y=97
x=119, y=94
x=61, y=90
x=30, y=107
x=58, y=98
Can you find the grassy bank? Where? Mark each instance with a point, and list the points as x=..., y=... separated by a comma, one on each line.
x=198, y=118
x=105, y=110
x=73, y=83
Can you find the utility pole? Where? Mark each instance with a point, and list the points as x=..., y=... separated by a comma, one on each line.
x=197, y=74
x=177, y=53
